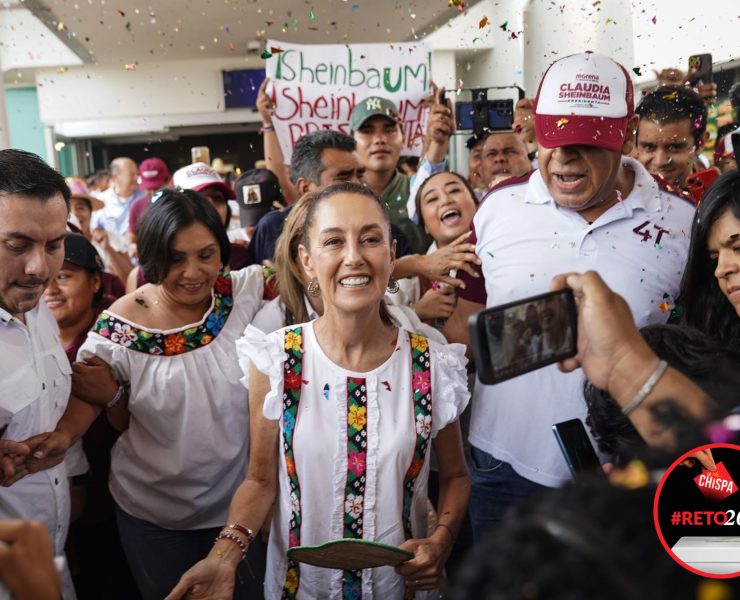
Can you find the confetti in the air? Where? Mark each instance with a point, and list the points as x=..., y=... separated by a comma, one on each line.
x=636, y=71
x=326, y=391
x=483, y=22
x=265, y=55
x=312, y=14
x=654, y=20
x=130, y=66
x=120, y=12
x=387, y=385
x=504, y=25
x=560, y=123
x=275, y=50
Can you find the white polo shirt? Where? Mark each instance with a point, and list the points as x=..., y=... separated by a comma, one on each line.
x=35, y=381
x=639, y=247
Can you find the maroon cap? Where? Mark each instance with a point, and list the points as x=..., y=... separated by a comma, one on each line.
x=154, y=174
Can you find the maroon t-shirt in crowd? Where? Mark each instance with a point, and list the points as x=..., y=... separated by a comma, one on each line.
x=96, y=443
x=136, y=212
x=475, y=287
x=112, y=287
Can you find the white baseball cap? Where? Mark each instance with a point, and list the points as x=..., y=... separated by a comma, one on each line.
x=199, y=176
x=584, y=99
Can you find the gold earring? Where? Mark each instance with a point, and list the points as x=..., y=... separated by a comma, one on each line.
x=313, y=289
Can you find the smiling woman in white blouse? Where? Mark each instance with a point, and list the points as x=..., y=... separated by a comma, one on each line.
x=171, y=347
x=344, y=411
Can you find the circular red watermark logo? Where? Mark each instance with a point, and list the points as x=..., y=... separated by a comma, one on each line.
x=696, y=511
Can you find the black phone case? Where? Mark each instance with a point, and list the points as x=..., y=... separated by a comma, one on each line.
x=576, y=448
x=704, y=69
x=478, y=338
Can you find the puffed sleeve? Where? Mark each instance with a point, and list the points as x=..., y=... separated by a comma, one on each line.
x=115, y=355
x=266, y=353
x=248, y=287
x=450, y=394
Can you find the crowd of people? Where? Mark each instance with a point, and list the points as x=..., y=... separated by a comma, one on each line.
x=198, y=376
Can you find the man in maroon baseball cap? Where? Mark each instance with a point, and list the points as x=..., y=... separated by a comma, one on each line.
x=588, y=207
x=153, y=174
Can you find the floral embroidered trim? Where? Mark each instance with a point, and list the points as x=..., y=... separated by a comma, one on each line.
x=293, y=368
x=354, y=491
x=178, y=342
x=422, y=398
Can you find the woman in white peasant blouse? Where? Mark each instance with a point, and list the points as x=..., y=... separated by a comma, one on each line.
x=342, y=410
x=171, y=347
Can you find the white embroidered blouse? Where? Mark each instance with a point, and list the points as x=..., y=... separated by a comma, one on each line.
x=353, y=444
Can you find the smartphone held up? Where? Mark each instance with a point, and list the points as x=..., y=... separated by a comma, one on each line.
x=577, y=449
x=700, y=69
x=519, y=337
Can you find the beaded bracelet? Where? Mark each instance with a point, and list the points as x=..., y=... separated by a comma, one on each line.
x=243, y=530
x=228, y=535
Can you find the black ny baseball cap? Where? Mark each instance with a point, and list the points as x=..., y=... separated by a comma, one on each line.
x=256, y=190
x=79, y=251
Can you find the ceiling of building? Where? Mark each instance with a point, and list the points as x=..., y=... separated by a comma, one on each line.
x=118, y=31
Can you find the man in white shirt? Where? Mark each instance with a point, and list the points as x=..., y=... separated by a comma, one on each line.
x=119, y=198
x=35, y=376
x=588, y=207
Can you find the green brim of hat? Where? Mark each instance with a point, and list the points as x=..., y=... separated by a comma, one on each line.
x=371, y=107
x=350, y=554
